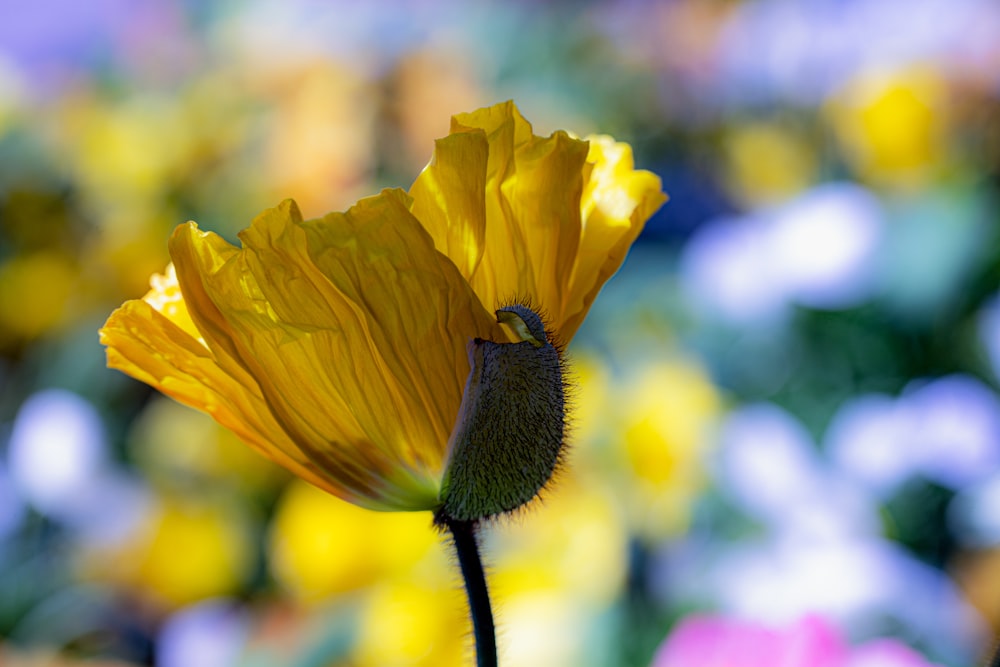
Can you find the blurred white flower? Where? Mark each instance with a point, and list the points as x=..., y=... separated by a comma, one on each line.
x=816, y=251
x=724, y=270
x=306, y=28
x=56, y=448
x=784, y=579
x=822, y=548
x=823, y=245
x=59, y=462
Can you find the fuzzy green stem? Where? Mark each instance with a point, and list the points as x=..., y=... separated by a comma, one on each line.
x=467, y=549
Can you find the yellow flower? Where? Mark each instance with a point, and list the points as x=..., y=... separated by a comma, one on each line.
x=767, y=163
x=320, y=546
x=337, y=346
x=667, y=419
x=183, y=550
x=894, y=125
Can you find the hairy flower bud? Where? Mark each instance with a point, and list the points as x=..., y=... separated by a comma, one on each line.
x=508, y=437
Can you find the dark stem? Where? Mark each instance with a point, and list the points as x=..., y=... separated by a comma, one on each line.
x=467, y=548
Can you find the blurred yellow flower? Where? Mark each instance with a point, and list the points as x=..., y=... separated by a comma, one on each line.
x=197, y=551
x=543, y=555
x=337, y=346
x=320, y=546
x=184, y=551
x=643, y=432
x=125, y=155
x=893, y=125
x=667, y=416
x=767, y=163
x=413, y=622
x=36, y=294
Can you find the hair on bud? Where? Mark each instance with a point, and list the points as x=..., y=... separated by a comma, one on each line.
x=509, y=436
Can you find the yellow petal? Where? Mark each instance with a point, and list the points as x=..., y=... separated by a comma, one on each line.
x=560, y=214
x=449, y=198
x=532, y=195
x=149, y=347
x=617, y=201
x=355, y=329
x=165, y=296
x=199, y=258
x=419, y=312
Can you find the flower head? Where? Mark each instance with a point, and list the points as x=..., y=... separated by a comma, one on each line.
x=337, y=346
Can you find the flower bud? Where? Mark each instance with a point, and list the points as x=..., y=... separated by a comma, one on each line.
x=508, y=437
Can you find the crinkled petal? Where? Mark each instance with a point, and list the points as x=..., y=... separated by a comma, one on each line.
x=219, y=294
x=533, y=189
x=150, y=347
x=560, y=213
x=354, y=327
x=617, y=202
x=449, y=198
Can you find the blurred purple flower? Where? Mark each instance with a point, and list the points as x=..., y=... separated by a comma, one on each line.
x=822, y=549
x=769, y=467
x=856, y=580
x=48, y=41
x=947, y=430
x=802, y=51
x=208, y=634
x=867, y=439
x=816, y=251
x=37, y=33
x=956, y=429
x=812, y=641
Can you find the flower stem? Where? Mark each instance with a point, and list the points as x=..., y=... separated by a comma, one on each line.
x=467, y=548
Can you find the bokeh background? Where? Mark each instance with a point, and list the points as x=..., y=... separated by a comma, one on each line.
x=787, y=398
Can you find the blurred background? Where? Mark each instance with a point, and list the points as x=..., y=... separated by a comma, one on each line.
x=787, y=397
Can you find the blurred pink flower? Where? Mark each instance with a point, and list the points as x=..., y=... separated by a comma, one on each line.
x=712, y=641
